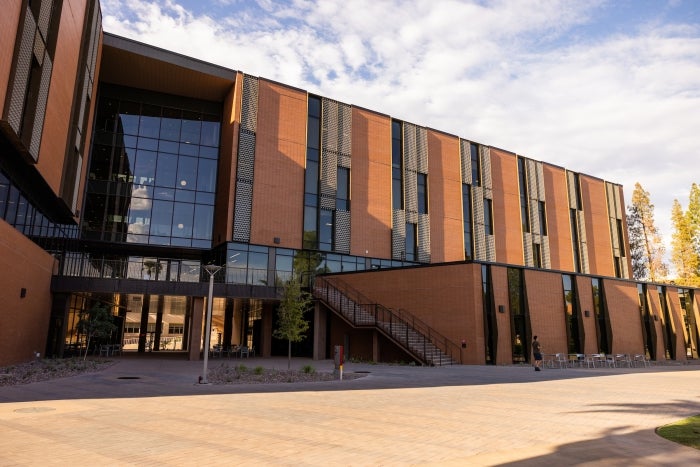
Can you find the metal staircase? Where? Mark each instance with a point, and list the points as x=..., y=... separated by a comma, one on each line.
x=417, y=338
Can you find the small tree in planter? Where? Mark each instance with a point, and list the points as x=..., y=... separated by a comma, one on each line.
x=291, y=324
x=97, y=322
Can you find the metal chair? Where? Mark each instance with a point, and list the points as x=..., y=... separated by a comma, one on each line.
x=640, y=359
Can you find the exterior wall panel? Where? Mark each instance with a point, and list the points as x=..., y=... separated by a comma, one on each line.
x=499, y=288
x=622, y=303
x=545, y=301
x=9, y=23
x=595, y=209
x=280, y=155
x=226, y=174
x=370, y=185
x=506, y=208
x=674, y=309
x=584, y=293
x=61, y=92
x=446, y=298
x=23, y=321
x=655, y=309
x=445, y=198
x=558, y=224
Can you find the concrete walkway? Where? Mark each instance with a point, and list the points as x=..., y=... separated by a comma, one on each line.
x=393, y=415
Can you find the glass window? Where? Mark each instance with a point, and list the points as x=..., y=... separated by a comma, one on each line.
x=325, y=234
x=543, y=218
x=145, y=167
x=314, y=106
x=128, y=122
x=191, y=127
x=422, y=193
x=203, y=221
x=410, y=242
x=168, y=146
x=162, y=217
x=311, y=182
x=476, y=164
x=186, y=173
x=149, y=123
x=183, y=216
x=166, y=171
x=210, y=131
x=313, y=133
x=170, y=124
x=206, y=175
x=4, y=193
x=488, y=216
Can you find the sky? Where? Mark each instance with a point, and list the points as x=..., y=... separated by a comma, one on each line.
x=606, y=88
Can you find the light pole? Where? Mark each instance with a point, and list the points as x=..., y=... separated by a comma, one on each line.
x=212, y=269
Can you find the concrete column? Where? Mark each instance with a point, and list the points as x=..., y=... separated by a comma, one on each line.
x=375, y=346
x=195, y=337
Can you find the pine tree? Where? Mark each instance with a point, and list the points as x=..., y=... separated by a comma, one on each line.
x=646, y=247
x=291, y=324
x=684, y=254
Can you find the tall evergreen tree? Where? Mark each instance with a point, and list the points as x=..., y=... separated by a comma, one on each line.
x=683, y=255
x=646, y=246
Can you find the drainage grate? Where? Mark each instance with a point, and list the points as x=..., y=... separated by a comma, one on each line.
x=128, y=377
x=361, y=371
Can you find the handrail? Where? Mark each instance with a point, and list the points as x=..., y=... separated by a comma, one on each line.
x=392, y=318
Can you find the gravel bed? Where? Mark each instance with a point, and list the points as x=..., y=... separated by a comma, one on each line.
x=241, y=374
x=46, y=369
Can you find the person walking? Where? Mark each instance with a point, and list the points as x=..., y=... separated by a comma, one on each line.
x=537, y=353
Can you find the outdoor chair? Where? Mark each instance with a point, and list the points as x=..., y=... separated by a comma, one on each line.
x=640, y=359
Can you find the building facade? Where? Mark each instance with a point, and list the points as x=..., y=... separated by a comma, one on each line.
x=125, y=168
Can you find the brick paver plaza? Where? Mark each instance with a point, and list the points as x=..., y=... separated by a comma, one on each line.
x=395, y=415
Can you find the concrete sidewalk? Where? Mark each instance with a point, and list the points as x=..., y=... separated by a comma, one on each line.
x=393, y=415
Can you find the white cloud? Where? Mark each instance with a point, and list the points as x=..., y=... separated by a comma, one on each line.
x=526, y=76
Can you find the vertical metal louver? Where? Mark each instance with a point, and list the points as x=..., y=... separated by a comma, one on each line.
x=245, y=166
x=336, y=148
x=23, y=64
x=535, y=195
x=398, y=235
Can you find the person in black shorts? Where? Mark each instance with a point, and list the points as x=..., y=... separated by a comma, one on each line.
x=537, y=353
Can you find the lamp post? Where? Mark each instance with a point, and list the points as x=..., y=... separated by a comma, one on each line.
x=212, y=269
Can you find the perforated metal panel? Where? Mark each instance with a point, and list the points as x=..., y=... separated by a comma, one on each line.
x=411, y=191
x=398, y=234
x=345, y=129
x=246, y=156
x=329, y=173
x=342, y=231
x=244, y=186
x=527, y=250
x=344, y=160
x=490, y=248
x=479, y=231
x=424, y=238
x=571, y=186
x=421, y=150
x=410, y=157
x=329, y=135
x=583, y=242
x=41, y=107
x=485, y=157
x=45, y=17
x=241, y=217
x=249, y=105
x=465, y=161
x=546, y=256
x=21, y=76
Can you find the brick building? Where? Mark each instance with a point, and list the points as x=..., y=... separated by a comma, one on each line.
x=125, y=168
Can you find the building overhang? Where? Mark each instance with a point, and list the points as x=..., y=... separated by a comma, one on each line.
x=133, y=64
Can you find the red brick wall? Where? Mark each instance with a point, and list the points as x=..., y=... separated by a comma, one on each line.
x=370, y=184
x=584, y=290
x=654, y=302
x=446, y=298
x=506, y=208
x=445, y=198
x=23, y=321
x=674, y=309
x=545, y=301
x=54, y=138
x=9, y=22
x=558, y=223
x=499, y=288
x=595, y=210
x=622, y=302
x=280, y=159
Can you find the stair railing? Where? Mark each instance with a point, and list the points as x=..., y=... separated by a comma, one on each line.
x=357, y=308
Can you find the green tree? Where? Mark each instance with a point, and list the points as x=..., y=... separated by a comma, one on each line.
x=291, y=324
x=96, y=323
x=684, y=254
x=646, y=246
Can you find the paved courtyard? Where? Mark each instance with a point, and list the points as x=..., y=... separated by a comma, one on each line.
x=152, y=411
